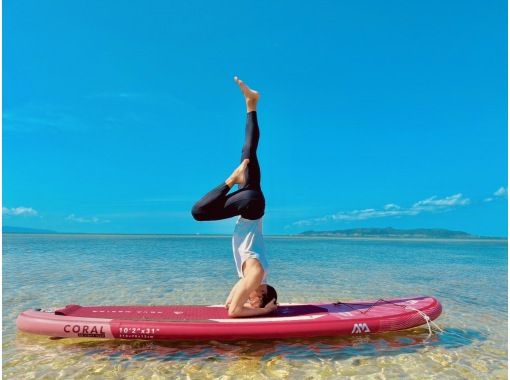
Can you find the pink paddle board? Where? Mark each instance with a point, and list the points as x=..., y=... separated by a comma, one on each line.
x=213, y=323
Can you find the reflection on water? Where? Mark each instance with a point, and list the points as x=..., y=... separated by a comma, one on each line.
x=296, y=349
x=468, y=278
x=319, y=357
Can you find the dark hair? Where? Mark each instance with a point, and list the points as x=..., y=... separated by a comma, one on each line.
x=269, y=296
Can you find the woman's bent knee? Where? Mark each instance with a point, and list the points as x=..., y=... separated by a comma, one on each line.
x=198, y=213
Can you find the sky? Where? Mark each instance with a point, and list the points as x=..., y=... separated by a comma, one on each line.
x=118, y=116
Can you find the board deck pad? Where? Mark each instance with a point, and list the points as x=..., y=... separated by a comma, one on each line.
x=176, y=313
x=183, y=322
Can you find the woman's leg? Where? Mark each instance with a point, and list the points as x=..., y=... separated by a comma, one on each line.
x=217, y=204
x=210, y=206
x=252, y=135
x=251, y=142
x=248, y=201
x=213, y=205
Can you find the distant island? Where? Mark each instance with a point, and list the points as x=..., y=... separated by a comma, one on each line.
x=23, y=230
x=389, y=232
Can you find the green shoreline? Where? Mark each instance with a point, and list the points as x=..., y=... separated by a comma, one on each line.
x=364, y=233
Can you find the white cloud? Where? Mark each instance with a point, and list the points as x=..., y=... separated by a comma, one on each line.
x=16, y=211
x=79, y=219
x=167, y=200
x=40, y=117
x=432, y=204
x=500, y=192
x=391, y=206
x=116, y=95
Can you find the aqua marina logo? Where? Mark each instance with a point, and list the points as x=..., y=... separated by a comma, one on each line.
x=359, y=328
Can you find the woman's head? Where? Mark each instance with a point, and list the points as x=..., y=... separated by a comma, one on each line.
x=261, y=296
x=269, y=296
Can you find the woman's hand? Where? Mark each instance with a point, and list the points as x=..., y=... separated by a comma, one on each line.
x=271, y=306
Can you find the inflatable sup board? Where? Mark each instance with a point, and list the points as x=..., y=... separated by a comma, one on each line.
x=213, y=323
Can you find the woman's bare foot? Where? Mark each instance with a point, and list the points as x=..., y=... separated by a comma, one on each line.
x=238, y=176
x=251, y=96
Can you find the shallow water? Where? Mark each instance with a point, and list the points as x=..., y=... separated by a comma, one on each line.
x=468, y=277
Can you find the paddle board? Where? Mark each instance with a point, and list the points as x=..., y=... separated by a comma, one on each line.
x=213, y=323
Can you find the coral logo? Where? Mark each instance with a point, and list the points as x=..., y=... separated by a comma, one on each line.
x=85, y=331
x=359, y=328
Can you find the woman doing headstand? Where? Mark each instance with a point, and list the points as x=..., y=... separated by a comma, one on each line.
x=251, y=295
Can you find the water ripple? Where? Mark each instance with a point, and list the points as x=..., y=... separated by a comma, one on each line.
x=50, y=271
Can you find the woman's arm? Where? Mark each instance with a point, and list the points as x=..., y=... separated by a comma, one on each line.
x=229, y=298
x=242, y=290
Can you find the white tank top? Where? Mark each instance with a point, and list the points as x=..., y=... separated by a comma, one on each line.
x=248, y=243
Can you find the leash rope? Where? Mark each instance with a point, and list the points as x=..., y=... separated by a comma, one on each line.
x=405, y=307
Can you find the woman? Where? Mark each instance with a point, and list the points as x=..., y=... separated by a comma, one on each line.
x=251, y=296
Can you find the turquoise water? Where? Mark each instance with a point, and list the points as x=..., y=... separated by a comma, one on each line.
x=469, y=278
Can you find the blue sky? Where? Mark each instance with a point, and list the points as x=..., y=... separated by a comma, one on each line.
x=117, y=116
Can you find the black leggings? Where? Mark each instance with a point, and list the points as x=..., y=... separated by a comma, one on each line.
x=248, y=201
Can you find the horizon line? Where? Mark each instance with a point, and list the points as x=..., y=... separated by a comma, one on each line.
x=300, y=235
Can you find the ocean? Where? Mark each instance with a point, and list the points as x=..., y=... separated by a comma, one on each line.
x=469, y=277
